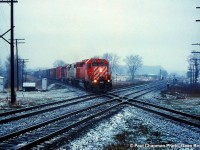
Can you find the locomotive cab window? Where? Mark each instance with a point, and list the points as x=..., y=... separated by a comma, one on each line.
x=98, y=64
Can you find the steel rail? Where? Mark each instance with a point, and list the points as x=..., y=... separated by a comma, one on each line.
x=63, y=101
x=17, y=133
x=42, y=105
x=136, y=102
x=166, y=109
x=131, y=87
x=42, y=111
x=166, y=115
x=67, y=128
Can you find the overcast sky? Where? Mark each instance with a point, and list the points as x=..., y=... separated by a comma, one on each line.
x=161, y=31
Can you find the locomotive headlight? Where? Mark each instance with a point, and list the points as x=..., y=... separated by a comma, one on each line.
x=95, y=81
x=100, y=70
x=108, y=80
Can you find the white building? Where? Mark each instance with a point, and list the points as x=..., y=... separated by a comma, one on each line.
x=1, y=84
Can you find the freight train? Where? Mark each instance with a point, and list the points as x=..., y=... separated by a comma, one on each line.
x=92, y=74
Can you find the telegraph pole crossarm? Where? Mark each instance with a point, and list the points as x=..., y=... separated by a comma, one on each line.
x=1, y=36
x=9, y=1
x=196, y=44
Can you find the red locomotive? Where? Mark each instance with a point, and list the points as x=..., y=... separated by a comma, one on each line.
x=91, y=74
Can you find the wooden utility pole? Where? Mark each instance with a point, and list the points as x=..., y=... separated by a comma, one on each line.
x=12, y=59
x=12, y=62
x=195, y=66
x=17, y=41
x=23, y=61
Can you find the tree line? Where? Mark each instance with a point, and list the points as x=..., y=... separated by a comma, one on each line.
x=133, y=63
x=5, y=71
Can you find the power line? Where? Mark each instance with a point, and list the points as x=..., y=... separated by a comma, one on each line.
x=196, y=44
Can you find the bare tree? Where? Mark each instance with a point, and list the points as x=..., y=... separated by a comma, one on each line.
x=7, y=70
x=59, y=63
x=133, y=62
x=113, y=61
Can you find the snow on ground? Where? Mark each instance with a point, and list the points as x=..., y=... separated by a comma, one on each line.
x=189, y=105
x=129, y=127
x=24, y=99
x=133, y=128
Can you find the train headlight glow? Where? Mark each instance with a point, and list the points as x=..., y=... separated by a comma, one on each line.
x=95, y=81
x=108, y=80
x=100, y=70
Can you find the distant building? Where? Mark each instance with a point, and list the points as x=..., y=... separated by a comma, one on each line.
x=29, y=86
x=1, y=84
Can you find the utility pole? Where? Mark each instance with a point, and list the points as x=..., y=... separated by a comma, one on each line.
x=195, y=67
x=17, y=41
x=160, y=74
x=23, y=61
x=13, y=96
x=12, y=63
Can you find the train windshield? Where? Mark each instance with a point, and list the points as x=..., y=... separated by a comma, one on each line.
x=99, y=64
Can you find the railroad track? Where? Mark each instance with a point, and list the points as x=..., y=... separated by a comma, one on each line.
x=178, y=116
x=56, y=125
x=77, y=118
x=67, y=120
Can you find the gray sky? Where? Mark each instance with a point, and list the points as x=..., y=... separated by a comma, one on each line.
x=161, y=31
